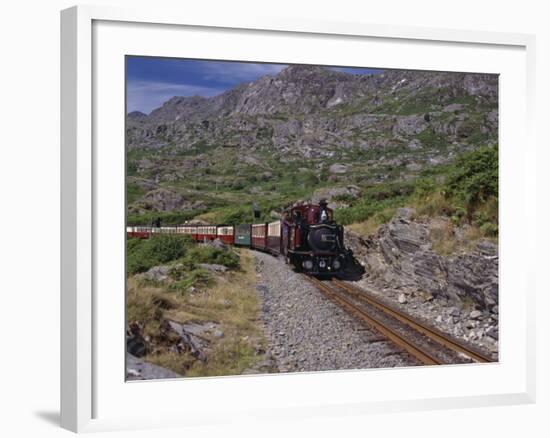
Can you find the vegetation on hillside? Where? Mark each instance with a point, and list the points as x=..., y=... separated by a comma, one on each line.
x=183, y=254
x=232, y=305
x=469, y=193
x=465, y=191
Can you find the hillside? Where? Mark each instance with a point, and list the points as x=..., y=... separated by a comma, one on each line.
x=296, y=134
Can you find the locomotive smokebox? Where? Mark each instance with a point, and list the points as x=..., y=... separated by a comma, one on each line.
x=322, y=237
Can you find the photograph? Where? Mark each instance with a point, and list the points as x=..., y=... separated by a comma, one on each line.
x=288, y=218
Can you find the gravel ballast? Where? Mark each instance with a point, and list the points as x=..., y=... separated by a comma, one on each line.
x=306, y=331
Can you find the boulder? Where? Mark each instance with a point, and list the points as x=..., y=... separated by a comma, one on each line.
x=156, y=273
x=338, y=168
x=475, y=314
x=216, y=243
x=414, y=144
x=138, y=369
x=163, y=200
x=213, y=267
x=410, y=125
x=453, y=107
x=143, y=183
x=135, y=342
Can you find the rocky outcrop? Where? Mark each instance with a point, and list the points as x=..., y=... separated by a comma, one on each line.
x=191, y=338
x=337, y=196
x=410, y=125
x=401, y=255
x=164, y=200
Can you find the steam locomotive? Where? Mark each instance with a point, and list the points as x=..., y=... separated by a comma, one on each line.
x=312, y=241
x=306, y=236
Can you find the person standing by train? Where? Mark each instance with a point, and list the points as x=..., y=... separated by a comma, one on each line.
x=324, y=214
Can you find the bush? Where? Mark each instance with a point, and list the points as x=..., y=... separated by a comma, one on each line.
x=489, y=229
x=474, y=177
x=133, y=192
x=212, y=255
x=166, y=218
x=141, y=255
x=363, y=211
x=234, y=215
x=465, y=191
x=375, y=200
x=193, y=278
x=468, y=193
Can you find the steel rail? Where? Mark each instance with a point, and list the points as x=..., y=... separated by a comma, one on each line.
x=431, y=332
x=389, y=333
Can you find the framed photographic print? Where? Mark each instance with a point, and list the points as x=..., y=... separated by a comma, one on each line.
x=248, y=209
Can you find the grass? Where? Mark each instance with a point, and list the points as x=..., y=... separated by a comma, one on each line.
x=133, y=192
x=231, y=301
x=464, y=193
x=435, y=204
x=372, y=224
x=444, y=240
x=431, y=139
x=377, y=200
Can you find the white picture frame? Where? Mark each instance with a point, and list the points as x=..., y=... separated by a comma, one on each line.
x=92, y=398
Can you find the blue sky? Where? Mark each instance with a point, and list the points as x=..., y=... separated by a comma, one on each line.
x=152, y=81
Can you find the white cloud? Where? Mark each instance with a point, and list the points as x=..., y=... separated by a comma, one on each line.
x=145, y=96
x=231, y=72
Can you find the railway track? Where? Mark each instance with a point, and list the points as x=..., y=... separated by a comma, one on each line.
x=425, y=343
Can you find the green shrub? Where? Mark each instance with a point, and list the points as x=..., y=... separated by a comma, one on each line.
x=489, y=229
x=209, y=254
x=468, y=192
x=425, y=187
x=193, y=278
x=166, y=218
x=365, y=209
x=375, y=200
x=431, y=139
x=474, y=177
x=142, y=255
x=133, y=192
x=465, y=191
x=184, y=253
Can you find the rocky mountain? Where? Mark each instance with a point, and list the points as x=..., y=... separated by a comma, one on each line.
x=304, y=106
x=327, y=126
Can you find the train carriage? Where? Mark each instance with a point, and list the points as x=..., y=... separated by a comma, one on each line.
x=242, y=235
x=259, y=236
x=138, y=232
x=226, y=233
x=206, y=233
x=273, y=242
x=188, y=230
